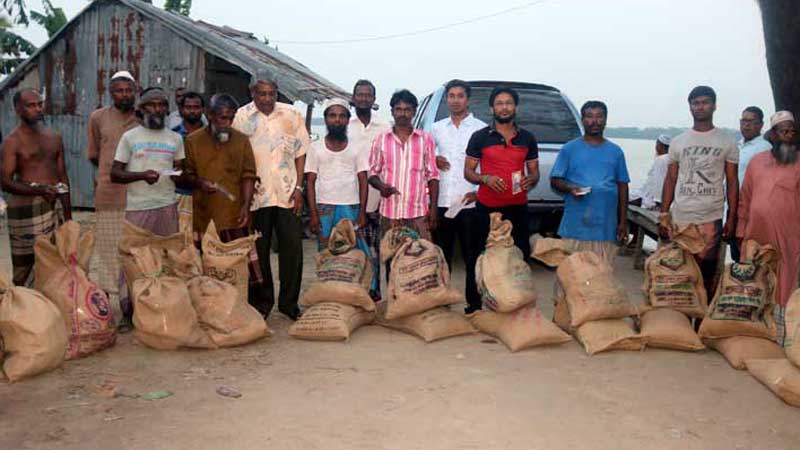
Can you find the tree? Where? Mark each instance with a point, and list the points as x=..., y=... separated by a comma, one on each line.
x=17, y=10
x=182, y=7
x=781, y=22
x=52, y=20
x=13, y=48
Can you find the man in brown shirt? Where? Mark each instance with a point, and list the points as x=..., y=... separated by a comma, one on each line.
x=220, y=165
x=106, y=126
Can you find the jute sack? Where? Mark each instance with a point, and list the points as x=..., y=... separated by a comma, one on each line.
x=227, y=319
x=163, y=315
x=672, y=276
x=608, y=334
x=185, y=264
x=738, y=349
x=779, y=376
x=419, y=279
x=668, y=328
x=504, y=279
x=591, y=290
x=552, y=252
x=32, y=332
x=520, y=329
x=792, y=324
x=228, y=261
x=561, y=315
x=344, y=272
x=432, y=325
x=60, y=275
x=330, y=322
x=133, y=236
x=744, y=300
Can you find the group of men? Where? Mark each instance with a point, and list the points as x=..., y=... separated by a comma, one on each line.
x=253, y=169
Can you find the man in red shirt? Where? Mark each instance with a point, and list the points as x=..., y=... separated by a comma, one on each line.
x=509, y=166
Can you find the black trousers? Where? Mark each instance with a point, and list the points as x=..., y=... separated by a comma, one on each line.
x=517, y=215
x=289, y=232
x=464, y=228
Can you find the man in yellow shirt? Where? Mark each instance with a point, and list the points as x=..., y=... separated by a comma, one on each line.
x=280, y=140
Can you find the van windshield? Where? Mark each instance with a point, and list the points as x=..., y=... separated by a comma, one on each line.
x=545, y=113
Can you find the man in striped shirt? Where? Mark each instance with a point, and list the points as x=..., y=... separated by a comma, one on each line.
x=402, y=165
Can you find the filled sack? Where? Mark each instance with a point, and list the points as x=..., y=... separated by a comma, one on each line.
x=227, y=319
x=670, y=329
x=504, y=279
x=60, y=274
x=550, y=251
x=745, y=297
x=133, y=236
x=672, y=276
x=228, y=261
x=330, y=322
x=591, y=290
x=609, y=334
x=185, y=264
x=738, y=349
x=524, y=328
x=432, y=325
x=32, y=332
x=344, y=272
x=779, y=376
x=163, y=315
x=419, y=278
x=561, y=315
x=791, y=340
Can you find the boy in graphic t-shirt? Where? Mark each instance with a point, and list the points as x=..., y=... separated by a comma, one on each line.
x=702, y=175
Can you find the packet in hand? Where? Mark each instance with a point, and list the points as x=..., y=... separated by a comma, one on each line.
x=516, y=182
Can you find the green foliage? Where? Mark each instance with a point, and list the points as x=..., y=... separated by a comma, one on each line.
x=52, y=20
x=182, y=7
x=13, y=48
x=17, y=10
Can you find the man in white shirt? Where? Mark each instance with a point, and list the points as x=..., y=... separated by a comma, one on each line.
x=336, y=178
x=362, y=130
x=649, y=195
x=751, y=144
x=452, y=135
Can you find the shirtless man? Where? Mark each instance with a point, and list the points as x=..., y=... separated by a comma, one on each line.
x=33, y=163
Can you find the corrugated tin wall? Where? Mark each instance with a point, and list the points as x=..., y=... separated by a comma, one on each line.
x=74, y=72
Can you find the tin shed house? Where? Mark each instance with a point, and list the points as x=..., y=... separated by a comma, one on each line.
x=160, y=49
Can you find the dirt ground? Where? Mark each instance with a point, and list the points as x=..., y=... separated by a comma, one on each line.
x=387, y=390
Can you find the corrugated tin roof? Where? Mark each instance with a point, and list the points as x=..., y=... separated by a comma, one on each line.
x=295, y=80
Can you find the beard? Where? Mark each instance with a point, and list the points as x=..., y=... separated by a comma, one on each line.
x=336, y=132
x=193, y=119
x=785, y=153
x=504, y=120
x=125, y=105
x=34, y=122
x=222, y=135
x=153, y=121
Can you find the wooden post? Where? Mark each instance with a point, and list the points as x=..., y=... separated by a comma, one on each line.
x=309, y=111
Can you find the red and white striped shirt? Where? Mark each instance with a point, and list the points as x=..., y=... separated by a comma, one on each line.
x=406, y=167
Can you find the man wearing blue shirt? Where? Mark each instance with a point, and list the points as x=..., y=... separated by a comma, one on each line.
x=591, y=171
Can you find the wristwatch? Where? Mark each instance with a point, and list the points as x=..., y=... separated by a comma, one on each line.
x=298, y=188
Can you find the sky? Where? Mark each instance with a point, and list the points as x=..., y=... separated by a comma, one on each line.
x=641, y=57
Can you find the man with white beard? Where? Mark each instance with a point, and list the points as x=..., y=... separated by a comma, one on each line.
x=769, y=207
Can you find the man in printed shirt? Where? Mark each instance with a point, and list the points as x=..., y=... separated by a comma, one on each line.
x=361, y=133
x=106, y=126
x=280, y=141
x=452, y=135
x=145, y=158
x=402, y=164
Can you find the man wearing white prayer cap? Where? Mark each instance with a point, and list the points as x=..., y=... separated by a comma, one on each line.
x=106, y=126
x=769, y=208
x=649, y=195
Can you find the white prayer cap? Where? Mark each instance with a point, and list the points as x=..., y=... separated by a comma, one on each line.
x=123, y=75
x=334, y=102
x=664, y=139
x=780, y=116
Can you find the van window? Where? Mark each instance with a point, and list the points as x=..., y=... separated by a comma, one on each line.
x=421, y=111
x=544, y=113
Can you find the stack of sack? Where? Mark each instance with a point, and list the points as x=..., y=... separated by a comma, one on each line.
x=60, y=274
x=739, y=322
x=419, y=289
x=338, y=300
x=782, y=375
x=674, y=291
x=32, y=332
x=595, y=307
x=179, y=299
x=505, y=282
